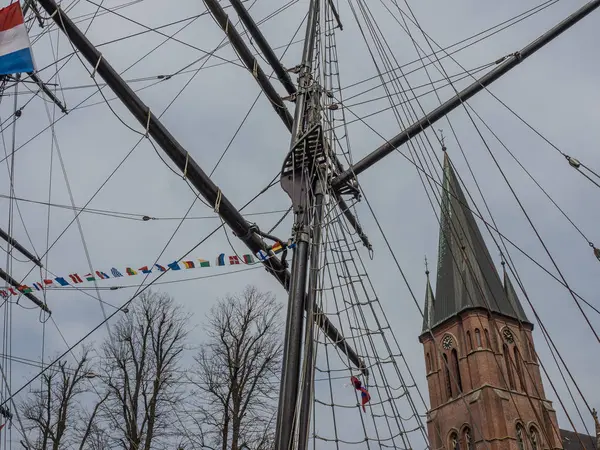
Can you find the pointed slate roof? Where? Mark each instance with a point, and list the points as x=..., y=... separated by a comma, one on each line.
x=429, y=305
x=466, y=275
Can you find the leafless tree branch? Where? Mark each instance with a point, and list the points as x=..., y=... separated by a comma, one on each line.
x=140, y=365
x=50, y=411
x=235, y=371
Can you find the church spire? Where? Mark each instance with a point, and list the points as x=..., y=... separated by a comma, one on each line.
x=466, y=275
x=429, y=303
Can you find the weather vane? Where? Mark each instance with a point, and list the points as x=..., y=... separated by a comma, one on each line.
x=442, y=139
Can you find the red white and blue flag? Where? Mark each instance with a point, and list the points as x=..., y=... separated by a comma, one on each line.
x=364, y=394
x=15, y=48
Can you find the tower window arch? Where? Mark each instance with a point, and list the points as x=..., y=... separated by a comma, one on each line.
x=534, y=437
x=519, y=367
x=469, y=341
x=520, y=433
x=447, y=377
x=454, y=445
x=456, y=368
x=488, y=343
x=468, y=439
x=477, y=337
x=509, y=372
x=428, y=362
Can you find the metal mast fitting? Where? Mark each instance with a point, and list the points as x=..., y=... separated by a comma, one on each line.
x=48, y=92
x=209, y=191
x=43, y=87
x=464, y=95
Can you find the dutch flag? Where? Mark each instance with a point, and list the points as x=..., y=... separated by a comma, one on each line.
x=15, y=48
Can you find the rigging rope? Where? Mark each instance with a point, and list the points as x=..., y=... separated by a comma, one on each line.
x=393, y=419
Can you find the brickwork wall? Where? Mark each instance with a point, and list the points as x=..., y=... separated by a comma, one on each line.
x=493, y=401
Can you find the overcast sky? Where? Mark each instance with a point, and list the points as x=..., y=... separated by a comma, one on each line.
x=555, y=91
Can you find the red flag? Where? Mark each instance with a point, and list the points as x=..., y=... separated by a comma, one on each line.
x=364, y=394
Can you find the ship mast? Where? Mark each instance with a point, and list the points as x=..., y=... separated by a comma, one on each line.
x=302, y=179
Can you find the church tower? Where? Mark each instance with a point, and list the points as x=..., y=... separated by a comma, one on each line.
x=484, y=380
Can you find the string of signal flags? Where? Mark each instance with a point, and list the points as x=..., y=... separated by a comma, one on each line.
x=76, y=279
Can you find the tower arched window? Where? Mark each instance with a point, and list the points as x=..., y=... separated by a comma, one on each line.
x=469, y=341
x=520, y=433
x=447, y=377
x=456, y=368
x=454, y=445
x=535, y=439
x=477, y=337
x=428, y=362
x=468, y=439
x=488, y=343
x=519, y=367
x=494, y=341
x=509, y=372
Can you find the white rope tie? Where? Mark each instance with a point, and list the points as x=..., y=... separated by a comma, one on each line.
x=55, y=11
x=187, y=158
x=93, y=74
x=227, y=25
x=255, y=69
x=148, y=122
x=218, y=200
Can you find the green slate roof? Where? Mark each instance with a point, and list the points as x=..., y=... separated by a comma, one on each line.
x=466, y=275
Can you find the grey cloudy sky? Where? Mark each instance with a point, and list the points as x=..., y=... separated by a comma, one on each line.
x=555, y=91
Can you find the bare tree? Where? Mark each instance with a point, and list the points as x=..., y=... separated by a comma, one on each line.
x=141, y=367
x=236, y=373
x=53, y=415
x=95, y=437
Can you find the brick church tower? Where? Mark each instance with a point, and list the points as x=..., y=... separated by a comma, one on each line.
x=484, y=380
